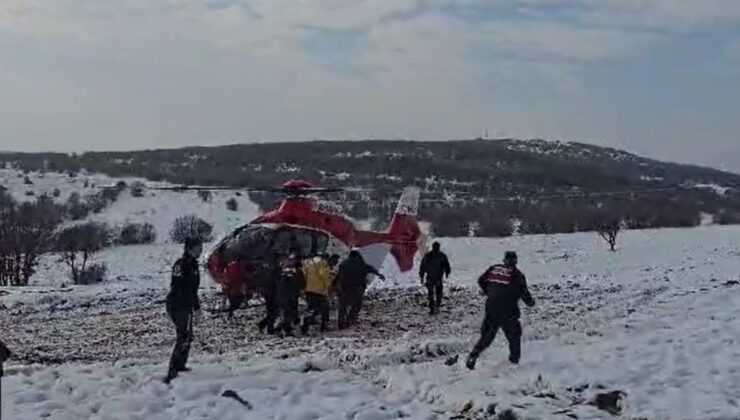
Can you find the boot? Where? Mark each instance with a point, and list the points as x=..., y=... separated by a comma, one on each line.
x=472, y=360
x=170, y=376
x=304, y=328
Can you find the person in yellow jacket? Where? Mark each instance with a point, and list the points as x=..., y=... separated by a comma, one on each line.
x=319, y=276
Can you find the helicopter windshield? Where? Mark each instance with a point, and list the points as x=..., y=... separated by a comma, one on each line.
x=307, y=242
x=256, y=242
x=248, y=242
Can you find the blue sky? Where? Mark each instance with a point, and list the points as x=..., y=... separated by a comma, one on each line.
x=658, y=77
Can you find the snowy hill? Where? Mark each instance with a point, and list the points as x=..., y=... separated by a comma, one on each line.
x=548, y=186
x=158, y=207
x=658, y=320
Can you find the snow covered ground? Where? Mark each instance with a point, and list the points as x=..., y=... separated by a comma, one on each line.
x=658, y=320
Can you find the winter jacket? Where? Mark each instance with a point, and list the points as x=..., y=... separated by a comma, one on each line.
x=353, y=272
x=185, y=283
x=265, y=277
x=434, y=266
x=290, y=282
x=236, y=275
x=318, y=276
x=504, y=286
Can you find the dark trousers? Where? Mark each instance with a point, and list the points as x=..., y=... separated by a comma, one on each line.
x=350, y=305
x=183, y=320
x=512, y=330
x=271, y=312
x=235, y=302
x=288, y=315
x=318, y=307
x=435, y=292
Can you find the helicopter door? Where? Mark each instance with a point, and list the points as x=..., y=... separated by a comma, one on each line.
x=283, y=242
x=320, y=243
x=304, y=241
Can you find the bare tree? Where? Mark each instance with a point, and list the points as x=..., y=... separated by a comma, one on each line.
x=137, y=234
x=77, y=244
x=25, y=231
x=610, y=231
x=191, y=227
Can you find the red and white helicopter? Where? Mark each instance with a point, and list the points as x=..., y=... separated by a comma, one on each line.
x=302, y=223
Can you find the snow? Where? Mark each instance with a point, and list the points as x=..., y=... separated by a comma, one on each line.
x=393, y=178
x=649, y=178
x=718, y=189
x=658, y=319
x=161, y=208
x=286, y=168
x=13, y=180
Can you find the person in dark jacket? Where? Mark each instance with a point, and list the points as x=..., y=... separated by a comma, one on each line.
x=504, y=285
x=435, y=267
x=290, y=285
x=266, y=280
x=350, y=284
x=236, y=284
x=5, y=354
x=183, y=304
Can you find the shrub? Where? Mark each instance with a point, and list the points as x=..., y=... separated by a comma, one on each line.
x=137, y=234
x=232, y=204
x=137, y=189
x=205, y=195
x=507, y=415
x=727, y=217
x=84, y=241
x=92, y=274
x=191, y=227
x=76, y=209
x=496, y=225
x=96, y=202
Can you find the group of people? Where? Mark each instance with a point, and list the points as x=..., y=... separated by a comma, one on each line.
x=319, y=277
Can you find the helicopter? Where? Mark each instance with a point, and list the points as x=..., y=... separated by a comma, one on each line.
x=302, y=224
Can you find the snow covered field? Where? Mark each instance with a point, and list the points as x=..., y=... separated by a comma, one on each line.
x=658, y=320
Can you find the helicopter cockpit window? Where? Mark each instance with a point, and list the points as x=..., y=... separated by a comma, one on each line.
x=304, y=241
x=321, y=242
x=283, y=242
x=249, y=242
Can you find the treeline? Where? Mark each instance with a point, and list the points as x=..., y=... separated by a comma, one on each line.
x=486, y=188
x=501, y=218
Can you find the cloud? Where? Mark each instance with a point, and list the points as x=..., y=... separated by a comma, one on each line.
x=662, y=15
x=554, y=41
x=733, y=50
x=105, y=73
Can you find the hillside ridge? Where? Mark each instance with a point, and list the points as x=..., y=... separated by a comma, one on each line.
x=549, y=186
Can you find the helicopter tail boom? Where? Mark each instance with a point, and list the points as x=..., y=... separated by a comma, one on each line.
x=404, y=231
